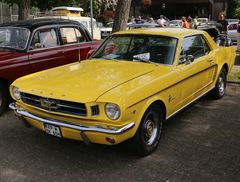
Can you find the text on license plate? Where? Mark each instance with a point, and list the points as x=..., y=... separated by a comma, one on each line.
x=52, y=130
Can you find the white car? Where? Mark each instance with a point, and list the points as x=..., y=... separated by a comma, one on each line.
x=232, y=20
x=202, y=21
x=74, y=13
x=106, y=30
x=232, y=31
x=175, y=23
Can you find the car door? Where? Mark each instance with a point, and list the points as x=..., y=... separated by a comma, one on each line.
x=44, y=50
x=75, y=45
x=196, y=75
x=70, y=38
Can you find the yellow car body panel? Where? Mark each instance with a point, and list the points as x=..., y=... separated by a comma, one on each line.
x=133, y=86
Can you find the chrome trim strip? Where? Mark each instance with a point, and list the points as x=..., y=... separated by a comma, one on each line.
x=21, y=112
x=189, y=103
x=71, y=107
x=36, y=100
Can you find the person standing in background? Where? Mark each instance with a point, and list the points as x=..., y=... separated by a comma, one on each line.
x=195, y=22
x=224, y=24
x=151, y=20
x=161, y=21
x=185, y=24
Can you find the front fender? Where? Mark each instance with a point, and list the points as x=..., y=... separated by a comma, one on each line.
x=140, y=108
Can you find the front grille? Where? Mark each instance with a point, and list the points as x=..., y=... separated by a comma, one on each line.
x=55, y=105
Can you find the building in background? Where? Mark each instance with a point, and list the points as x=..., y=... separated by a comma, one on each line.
x=174, y=9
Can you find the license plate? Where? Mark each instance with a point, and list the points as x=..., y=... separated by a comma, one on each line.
x=52, y=130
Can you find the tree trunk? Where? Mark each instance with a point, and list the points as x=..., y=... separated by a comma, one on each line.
x=121, y=15
x=24, y=10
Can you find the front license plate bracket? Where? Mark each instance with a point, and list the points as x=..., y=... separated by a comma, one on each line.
x=53, y=130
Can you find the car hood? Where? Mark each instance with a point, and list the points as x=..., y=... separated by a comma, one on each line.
x=82, y=81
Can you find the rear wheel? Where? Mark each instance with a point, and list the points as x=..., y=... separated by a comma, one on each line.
x=220, y=86
x=3, y=99
x=149, y=131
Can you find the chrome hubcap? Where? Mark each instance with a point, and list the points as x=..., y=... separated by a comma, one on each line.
x=221, y=85
x=150, y=129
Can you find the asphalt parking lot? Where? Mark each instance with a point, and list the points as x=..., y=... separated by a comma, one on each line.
x=200, y=144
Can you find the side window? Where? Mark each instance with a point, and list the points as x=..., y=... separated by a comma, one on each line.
x=44, y=38
x=205, y=46
x=80, y=36
x=70, y=35
x=195, y=46
x=232, y=27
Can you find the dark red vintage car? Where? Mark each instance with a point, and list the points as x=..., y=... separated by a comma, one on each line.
x=35, y=45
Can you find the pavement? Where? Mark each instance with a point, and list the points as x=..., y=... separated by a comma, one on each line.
x=201, y=143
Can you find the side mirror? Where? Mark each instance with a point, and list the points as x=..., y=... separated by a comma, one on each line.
x=190, y=58
x=186, y=59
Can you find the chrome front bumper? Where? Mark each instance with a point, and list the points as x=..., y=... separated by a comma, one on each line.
x=20, y=112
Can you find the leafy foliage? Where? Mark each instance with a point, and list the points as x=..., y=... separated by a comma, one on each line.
x=233, y=9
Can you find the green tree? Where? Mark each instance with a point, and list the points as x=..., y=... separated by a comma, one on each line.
x=25, y=5
x=233, y=9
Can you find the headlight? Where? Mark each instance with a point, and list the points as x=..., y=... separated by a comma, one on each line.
x=112, y=111
x=16, y=93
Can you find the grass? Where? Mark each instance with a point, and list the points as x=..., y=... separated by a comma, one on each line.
x=234, y=75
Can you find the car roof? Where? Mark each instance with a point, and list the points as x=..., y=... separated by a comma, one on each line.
x=172, y=32
x=134, y=25
x=67, y=8
x=230, y=23
x=35, y=23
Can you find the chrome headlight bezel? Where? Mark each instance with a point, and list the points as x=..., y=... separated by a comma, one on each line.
x=16, y=93
x=112, y=111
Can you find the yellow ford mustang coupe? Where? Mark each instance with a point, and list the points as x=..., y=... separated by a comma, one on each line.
x=135, y=81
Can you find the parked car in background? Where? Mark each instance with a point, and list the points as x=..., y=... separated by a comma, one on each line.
x=135, y=81
x=220, y=39
x=175, y=23
x=232, y=20
x=202, y=21
x=232, y=31
x=35, y=45
x=74, y=13
x=106, y=30
x=142, y=25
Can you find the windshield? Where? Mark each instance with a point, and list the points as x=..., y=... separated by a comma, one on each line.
x=14, y=38
x=145, y=48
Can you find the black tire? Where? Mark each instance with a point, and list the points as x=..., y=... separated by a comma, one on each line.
x=148, y=135
x=3, y=99
x=219, y=90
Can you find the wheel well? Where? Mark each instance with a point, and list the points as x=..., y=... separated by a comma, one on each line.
x=161, y=104
x=225, y=66
x=4, y=83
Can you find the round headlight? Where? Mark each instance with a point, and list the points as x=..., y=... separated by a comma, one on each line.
x=112, y=111
x=16, y=93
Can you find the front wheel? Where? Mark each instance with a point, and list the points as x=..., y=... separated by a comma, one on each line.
x=147, y=137
x=220, y=86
